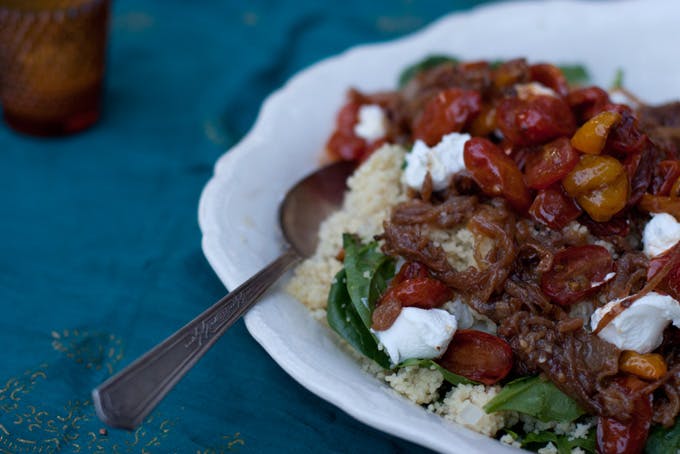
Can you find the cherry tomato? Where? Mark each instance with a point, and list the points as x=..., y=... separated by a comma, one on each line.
x=576, y=272
x=495, y=173
x=422, y=292
x=660, y=204
x=586, y=102
x=667, y=174
x=554, y=208
x=599, y=184
x=626, y=137
x=592, y=135
x=603, y=203
x=550, y=164
x=510, y=72
x=615, y=437
x=534, y=121
x=485, y=122
x=446, y=112
x=478, y=356
x=347, y=147
x=671, y=282
x=409, y=270
x=640, y=167
x=344, y=143
x=551, y=76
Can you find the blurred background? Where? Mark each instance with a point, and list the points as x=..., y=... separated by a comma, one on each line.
x=100, y=253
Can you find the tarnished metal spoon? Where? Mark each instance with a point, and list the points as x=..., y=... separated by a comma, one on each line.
x=125, y=399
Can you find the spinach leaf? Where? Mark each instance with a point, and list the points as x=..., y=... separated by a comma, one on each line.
x=536, y=397
x=343, y=319
x=450, y=377
x=575, y=74
x=427, y=63
x=662, y=440
x=367, y=272
x=561, y=442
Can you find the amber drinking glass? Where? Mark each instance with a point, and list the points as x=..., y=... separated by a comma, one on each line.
x=52, y=55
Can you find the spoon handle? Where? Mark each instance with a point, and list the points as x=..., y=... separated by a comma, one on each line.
x=125, y=399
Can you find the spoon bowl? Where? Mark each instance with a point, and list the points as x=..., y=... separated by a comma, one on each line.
x=125, y=399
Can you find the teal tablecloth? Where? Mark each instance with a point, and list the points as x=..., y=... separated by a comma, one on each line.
x=100, y=249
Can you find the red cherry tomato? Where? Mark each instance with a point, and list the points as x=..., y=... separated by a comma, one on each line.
x=448, y=111
x=551, y=76
x=478, y=356
x=671, y=283
x=586, y=102
x=422, y=292
x=550, y=164
x=410, y=270
x=534, y=121
x=667, y=174
x=576, y=272
x=495, y=173
x=625, y=137
x=554, y=208
x=344, y=143
x=615, y=437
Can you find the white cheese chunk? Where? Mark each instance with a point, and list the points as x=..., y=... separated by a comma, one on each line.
x=639, y=327
x=660, y=234
x=442, y=161
x=532, y=89
x=418, y=333
x=372, y=123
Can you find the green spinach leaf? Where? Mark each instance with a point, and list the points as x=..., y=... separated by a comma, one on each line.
x=343, y=319
x=662, y=440
x=450, y=377
x=427, y=63
x=536, y=397
x=562, y=442
x=575, y=74
x=367, y=272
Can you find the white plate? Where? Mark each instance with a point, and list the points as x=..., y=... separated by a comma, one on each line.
x=238, y=207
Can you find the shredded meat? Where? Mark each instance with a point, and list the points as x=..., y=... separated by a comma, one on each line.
x=578, y=362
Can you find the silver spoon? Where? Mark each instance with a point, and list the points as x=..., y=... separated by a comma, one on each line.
x=125, y=399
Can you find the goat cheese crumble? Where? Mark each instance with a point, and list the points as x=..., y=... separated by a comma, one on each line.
x=441, y=161
x=639, y=327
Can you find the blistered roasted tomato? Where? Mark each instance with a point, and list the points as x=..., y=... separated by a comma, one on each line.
x=534, y=121
x=576, y=272
x=495, y=173
x=550, y=164
x=660, y=204
x=422, y=292
x=344, y=143
x=478, y=356
x=485, y=122
x=648, y=366
x=448, y=111
x=510, y=72
x=411, y=287
x=586, y=102
x=667, y=174
x=626, y=137
x=409, y=270
x=554, y=208
x=592, y=135
x=551, y=76
x=600, y=186
x=615, y=437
